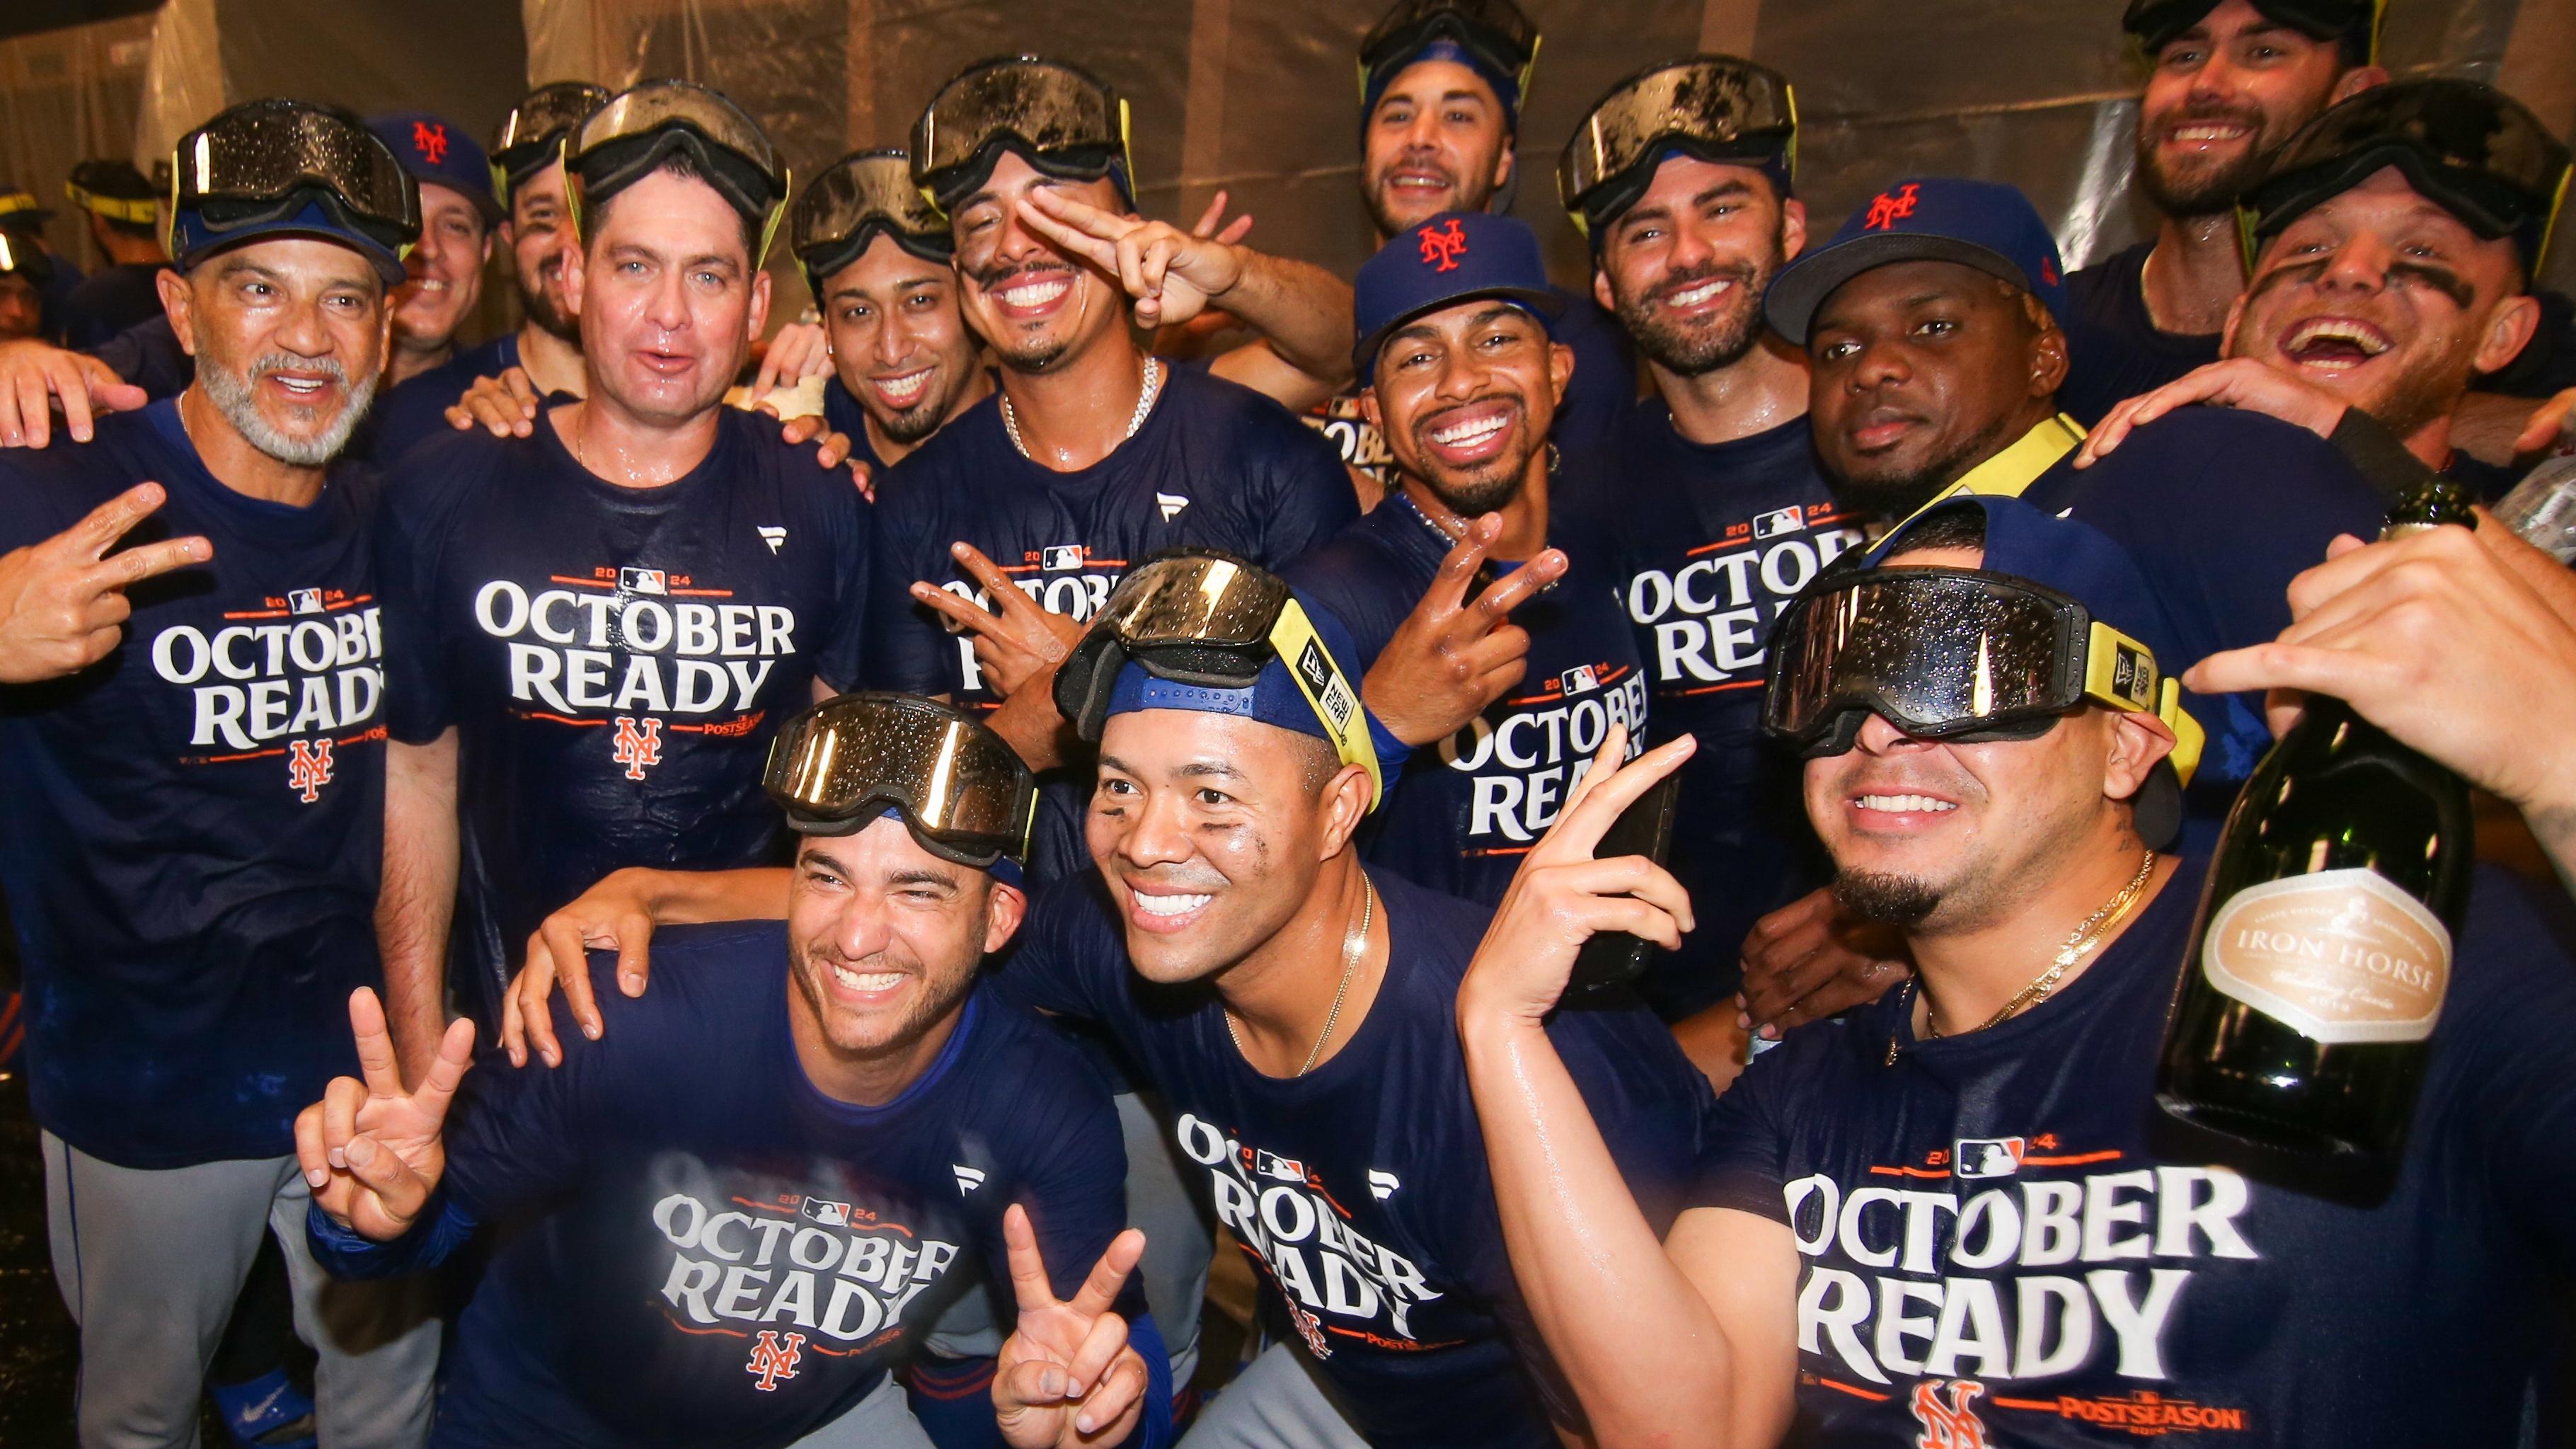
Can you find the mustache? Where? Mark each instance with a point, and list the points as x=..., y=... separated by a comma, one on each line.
x=274, y=362
x=1676, y=279
x=994, y=277
x=1424, y=425
x=2251, y=118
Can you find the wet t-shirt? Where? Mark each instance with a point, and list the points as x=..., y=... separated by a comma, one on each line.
x=2114, y=349
x=1361, y=1189
x=414, y=410
x=1467, y=809
x=1712, y=543
x=2003, y=1242
x=615, y=660
x=194, y=822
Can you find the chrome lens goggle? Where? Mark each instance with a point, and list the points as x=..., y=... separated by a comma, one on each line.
x=1955, y=654
x=1065, y=120
x=526, y=142
x=964, y=794
x=627, y=137
x=267, y=159
x=1714, y=107
x=841, y=212
x=1494, y=31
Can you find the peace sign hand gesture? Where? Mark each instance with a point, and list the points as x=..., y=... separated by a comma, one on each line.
x=1172, y=274
x=62, y=601
x=1067, y=1376
x=373, y=1152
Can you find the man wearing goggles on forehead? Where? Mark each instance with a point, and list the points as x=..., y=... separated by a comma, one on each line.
x=1956, y=1216
x=1092, y=455
x=195, y=768
x=599, y=626
x=2392, y=244
x=527, y=158
x=736, y=1211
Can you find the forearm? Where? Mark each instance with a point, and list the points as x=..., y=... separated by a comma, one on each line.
x=345, y=1253
x=698, y=897
x=1641, y=1347
x=417, y=901
x=1301, y=310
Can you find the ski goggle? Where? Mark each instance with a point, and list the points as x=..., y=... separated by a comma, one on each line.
x=1955, y=654
x=1713, y=107
x=113, y=190
x=2466, y=146
x=843, y=210
x=626, y=139
x=961, y=791
x=1494, y=31
x=20, y=257
x=1216, y=621
x=1063, y=120
x=2156, y=22
x=22, y=203
x=527, y=142
x=264, y=162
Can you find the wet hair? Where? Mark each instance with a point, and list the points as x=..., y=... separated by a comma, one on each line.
x=1956, y=525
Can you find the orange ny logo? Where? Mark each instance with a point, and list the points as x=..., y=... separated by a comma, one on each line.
x=308, y=768
x=429, y=138
x=638, y=747
x=1952, y=1425
x=774, y=1358
x=1888, y=208
x=1443, y=247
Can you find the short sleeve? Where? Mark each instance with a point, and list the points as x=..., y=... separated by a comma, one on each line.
x=1741, y=1146
x=1309, y=496
x=907, y=649
x=419, y=706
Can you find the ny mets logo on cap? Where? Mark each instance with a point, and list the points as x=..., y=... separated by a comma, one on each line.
x=1443, y=247
x=429, y=138
x=1890, y=207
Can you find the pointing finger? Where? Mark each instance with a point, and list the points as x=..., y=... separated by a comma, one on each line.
x=997, y=584
x=1208, y=219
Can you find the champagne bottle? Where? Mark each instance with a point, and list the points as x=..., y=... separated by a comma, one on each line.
x=2323, y=947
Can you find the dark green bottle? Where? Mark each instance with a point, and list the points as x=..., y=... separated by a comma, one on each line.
x=2323, y=947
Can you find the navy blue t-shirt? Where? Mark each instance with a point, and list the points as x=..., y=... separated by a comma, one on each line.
x=195, y=821
x=415, y=409
x=112, y=299
x=1215, y=466
x=614, y=660
x=1712, y=542
x=2002, y=1242
x=2114, y=349
x=1465, y=811
x=708, y=1250
x=1361, y=1188
x=149, y=356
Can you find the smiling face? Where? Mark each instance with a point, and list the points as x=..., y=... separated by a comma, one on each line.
x=446, y=270
x=1686, y=266
x=1036, y=306
x=539, y=240
x=1211, y=830
x=288, y=334
x=897, y=339
x=1465, y=396
x=21, y=306
x=1436, y=141
x=2221, y=96
x=885, y=940
x=1922, y=370
x=2387, y=300
x=667, y=296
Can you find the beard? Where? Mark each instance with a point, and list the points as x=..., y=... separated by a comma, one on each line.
x=1488, y=487
x=539, y=305
x=232, y=393
x=1029, y=354
x=1887, y=900
x=2210, y=188
x=923, y=418
x=1697, y=351
x=1463, y=196
x=1898, y=495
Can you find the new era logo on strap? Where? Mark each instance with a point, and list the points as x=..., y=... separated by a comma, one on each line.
x=1890, y=207
x=1443, y=247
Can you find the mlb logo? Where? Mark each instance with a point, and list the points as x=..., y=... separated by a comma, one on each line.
x=829, y=1214
x=304, y=601
x=641, y=581
x=1779, y=521
x=1284, y=1169
x=1060, y=558
x=1988, y=1157
x=1580, y=678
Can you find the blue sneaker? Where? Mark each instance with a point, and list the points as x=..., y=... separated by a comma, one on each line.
x=269, y=1412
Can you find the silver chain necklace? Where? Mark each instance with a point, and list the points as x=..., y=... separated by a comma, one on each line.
x=1352, y=945
x=1144, y=404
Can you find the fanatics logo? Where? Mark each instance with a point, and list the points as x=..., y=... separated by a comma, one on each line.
x=774, y=1358
x=1382, y=1185
x=968, y=1178
x=773, y=536
x=308, y=768
x=1888, y=208
x=647, y=581
x=637, y=748
x=429, y=138
x=1443, y=247
x=304, y=601
x=1171, y=504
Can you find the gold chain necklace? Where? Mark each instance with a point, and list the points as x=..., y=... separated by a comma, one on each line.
x=1353, y=944
x=2079, y=944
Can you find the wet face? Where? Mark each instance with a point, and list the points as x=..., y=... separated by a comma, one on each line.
x=1035, y=305
x=887, y=938
x=1465, y=397
x=1920, y=371
x=2387, y=300
x=539, y=237
x=668, y=299
x=1437, y=140
x=21, y=307
x=445, y=270
x=1210, y=831
x=2220, y=97
x=898, y=341
x=288, y=334
x=1686, y=266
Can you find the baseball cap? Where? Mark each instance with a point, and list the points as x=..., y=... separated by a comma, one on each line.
x=20, y=210
x=1448, y=258
x=2356, y=22
x=438, y=152
x=1982, y=224
x=115, y=190
x=2086, y=565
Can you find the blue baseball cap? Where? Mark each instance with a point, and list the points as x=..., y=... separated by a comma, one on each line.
x=1507, y=88
x=1982, y=224
x=1450, y=258
x=438, y=152
x=1272, y=697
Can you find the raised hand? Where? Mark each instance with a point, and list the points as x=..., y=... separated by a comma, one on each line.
x=36, y=377
x=799, y=351
x=1067, y=1375
x=1804, y=962
x=1453, y=656
x=2237, y=382
x=2551, y=425
x=614, y=915
x=1171, y=274
x=371, y=1151
x=1022, y=643
x=504, y=405
x=62, y=601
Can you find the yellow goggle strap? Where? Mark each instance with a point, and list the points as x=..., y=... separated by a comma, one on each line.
x=2121, y=672
x=114, y=208
x=573, y=193
x=1328, y=692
